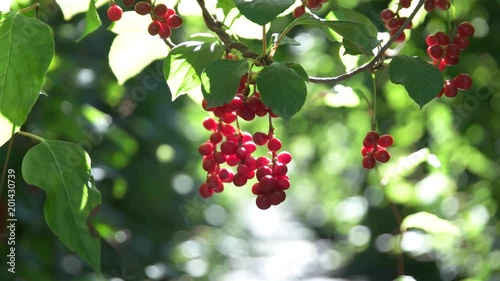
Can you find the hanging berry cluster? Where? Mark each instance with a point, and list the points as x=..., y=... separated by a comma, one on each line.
x=311, y=4
x=374, y=148
x=393, y=21
x=164, y=19
x=231, y=146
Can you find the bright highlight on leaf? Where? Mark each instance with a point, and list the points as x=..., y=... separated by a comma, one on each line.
x=429, y=223
x=184, y=64
x=422, y=80
x=62, y=170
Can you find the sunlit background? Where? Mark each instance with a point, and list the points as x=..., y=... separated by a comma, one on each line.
x=336, y=223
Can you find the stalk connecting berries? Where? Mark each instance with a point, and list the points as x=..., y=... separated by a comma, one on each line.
x=311, y=4
x=374, y=149
x=231, y=146
x=164, y=19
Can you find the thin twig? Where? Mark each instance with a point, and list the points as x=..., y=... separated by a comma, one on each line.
x=369, y=66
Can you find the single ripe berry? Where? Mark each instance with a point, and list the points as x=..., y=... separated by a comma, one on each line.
x=393, y=24
x=435, y=52
x=299, y=11
x=260, y=138
x=431, y=40
x=174, y=21
x=450, y=88
x=274, y=144
x=142, y=8
x=461, y=41
x=368, y=161
x=313, y=4
x=429, y=5
x=442, y=4
x=405, y=3
x=263, y=201
x=372, y=137
x=450, y=60
x=115, y=12
x=441, y=38
x=206, y=148
x=165, y=31
x=387, y=14
x=453, y=50
x=382, y=156
x=385, y=140
x=400, y=38
x=210, y=124
x=128, y=3
x=160, y=10
x=154, y=28
x=466, y=29
x=463, y=81
x=284, y=157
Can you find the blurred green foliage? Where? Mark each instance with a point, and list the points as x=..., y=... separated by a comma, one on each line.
x=337, y=220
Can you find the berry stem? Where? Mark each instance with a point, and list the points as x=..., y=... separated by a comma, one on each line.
x=29, y=8
x=369, y=65
x=374, y=109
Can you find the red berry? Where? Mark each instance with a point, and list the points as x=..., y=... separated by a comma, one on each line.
x=385, y=140
x=405, y=3
x=284, y=157
x=206, y=149
x=372, y=137
x=174, y=21
x=313, y=4
x=254, y=103
x=228, y=147
x=142, y=8
x=450, y=88
x=232, y=160
x=280, y=169
x=453, y=50
x=241, y=153
x=450, y=60
x=393, y=24
x=462, y=41
x=263, y=171
x=246, y=114
x=442, y=65
x=226, y=175
x=365, y=150
x=431, y=40
x=239, y=179
x=205, y=192
x=267, y=183
x=250, y=146
x=169, y=13
x=387, y=14
x=274, y=145
x=276, y=197
x=282, y=183
x=236, y=104
x=435, y=52
x=256, y=189
x=115, y=12
x=441, y=38
x=165, y=31
x=400, y=38
x=209, y=163
x=429, y=5
x=368, y=161
x=160, y=10
x=216, y=137
x=128, y=3
x=263, y=202
x=442, y=4
x=299, y=11
x=219, y=157
x=210, y=124
x=466, y=29
x=382, y=156
x=262, y=161
x=154, y=27
x=243, y=170
x=260, y=138
x=463, y=81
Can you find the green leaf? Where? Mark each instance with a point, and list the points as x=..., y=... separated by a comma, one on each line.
x=282, y=88
x=26, y=52
x=356, y=35
x=226, y=6
x=285, y=41
x=262, y=11
x=62, y=170
x=429, y=223
x=220, y=80
x=300, y=70
x=422, y=80
x=92, y=20
x=353, y=16
x=184, y=64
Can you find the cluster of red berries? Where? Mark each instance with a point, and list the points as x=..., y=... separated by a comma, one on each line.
x=164, y=19
x=229, y=145
x=430, y=5
x=451, y=86
x=445, y=50
x=393, y=21
x=311, y=4
x=374, y=148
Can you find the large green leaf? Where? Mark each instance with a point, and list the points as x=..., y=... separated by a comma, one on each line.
x=62, y=170
x=283, y=88
x=220, y=80
x=27, y=48
x=357, y=36
x=422, y=80
x=92, y=20
x=184, y=64
x=262, y=11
